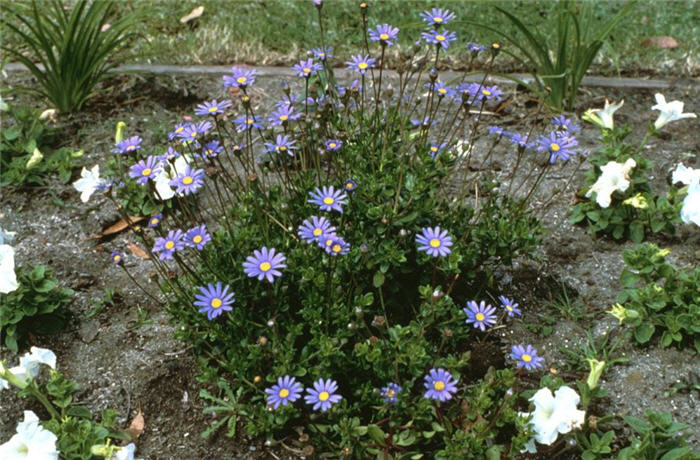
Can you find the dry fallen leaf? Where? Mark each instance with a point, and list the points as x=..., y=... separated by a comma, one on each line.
x=661, y=42
x=194, y=14
x=120, y=225
x=136, y=427
x=138, y=252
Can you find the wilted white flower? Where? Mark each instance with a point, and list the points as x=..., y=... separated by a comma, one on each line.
x=614, y=176
x=32, y=441
x=603, y=117
x=35, y=159
x=8, y=278
x=554, y=414
x=6, y=237
x=670, y=111
x=48, y=114
x=88, y=182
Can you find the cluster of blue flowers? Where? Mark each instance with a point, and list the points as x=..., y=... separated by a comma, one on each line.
x=322, y=396
x=559, y=143
x=177, y=240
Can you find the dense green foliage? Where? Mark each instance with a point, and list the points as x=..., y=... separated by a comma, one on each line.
x=666, y=298
x=37, y=306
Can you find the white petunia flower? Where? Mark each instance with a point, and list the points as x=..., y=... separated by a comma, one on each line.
x=690, y=212
x=554, y=415
x=29, y=368
x=162, y=180
x=88, y=182
x=126, y=452
x=614, y=176
x=670, y=111
x=8, y=277
x=31, y=361
x=685, y=175
x=32, y=441
x=603, y=117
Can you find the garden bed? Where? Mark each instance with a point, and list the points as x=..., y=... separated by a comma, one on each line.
x=124, y=356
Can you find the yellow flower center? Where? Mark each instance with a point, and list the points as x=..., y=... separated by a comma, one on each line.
x=433, y=149
x=197, y=239
x=383, y=37
x=525, y=357
x=241, y=80
x=306, y=70
x=442, y=91
x=337, y=248
x=216, y=303
x=485, y=92
x=249, y=121
x=509, y=308
x=555, y=147
x=117, y=258
x=146, y=172
x=440, y=38
x=283, y=393
x=390, y=393
x=187, y=180
x=284, y=117
x=317, y=232
x=130, y=148
x=193, y=134
x=328, y=200
x=154, y=221
x=179, y=129
x=496, y=45
x=435, y=243
x=213, y=109
x=362, y=65
x=169, y=245
x=332, y=145
x=349, y=186
x=323, y=396
x=265, y=266
x=439, y=385
x=480, y=317
x=437, y=19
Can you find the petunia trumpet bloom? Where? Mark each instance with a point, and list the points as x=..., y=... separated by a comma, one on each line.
x=670, y=111
x=554, y=414
x=614, y=176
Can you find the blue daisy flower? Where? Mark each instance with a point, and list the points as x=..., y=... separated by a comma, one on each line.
x=328, y=199
x=510, y=306
x=282, y=115
x=155, y=220
x=307, y=68
x=434, y=241
x=189, y=181
x=558, y=144
x=117, y=257
x=315, y=228
x=334, y=245
x=564, y=124
x=385, y=34
x=129, y=145
x=264, y=264
x=287, y=390
x=212, y=149
x=197, y=237
x=168, y=245
x=526, y=356
x=239, y=78
x=360, y=63
x=323, y=53
x=322, y=395
x=350, y=185
x=145, y=170
x=214, y=300
x=440, y=38
x=440, y=385
x=437, y=17
x=282, y=144
x=333, y=144
x=244, y=123
x=390, y=392
x=480, y=315
x=212, y=107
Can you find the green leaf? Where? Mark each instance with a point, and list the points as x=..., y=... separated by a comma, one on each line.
x=376, y=434
x=378, y=279
x=637, y=231
x=675, y=454
x=644, y=332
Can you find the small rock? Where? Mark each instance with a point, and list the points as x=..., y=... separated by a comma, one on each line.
x=88, y=330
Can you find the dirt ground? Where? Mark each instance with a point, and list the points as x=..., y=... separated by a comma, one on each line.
x=126, y=357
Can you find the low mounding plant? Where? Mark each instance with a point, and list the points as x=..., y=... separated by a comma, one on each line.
x=663, y=297
x=559, y=67
x=38, y=306
x=68, y=50
x=346, y=242
x=617, y=199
